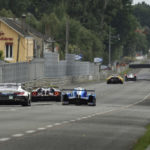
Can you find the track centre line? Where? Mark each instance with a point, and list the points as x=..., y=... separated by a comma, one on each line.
x=4, y=139
x=30, y=131
x=17, y=135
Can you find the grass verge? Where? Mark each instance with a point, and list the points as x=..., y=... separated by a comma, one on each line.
x=143, y=142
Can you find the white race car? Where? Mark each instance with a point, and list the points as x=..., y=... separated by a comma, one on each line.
x=130, y=77
x=13, y=93
x=46, y=94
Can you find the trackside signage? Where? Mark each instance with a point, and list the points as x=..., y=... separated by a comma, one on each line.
x=78, y=57
x=98, y=60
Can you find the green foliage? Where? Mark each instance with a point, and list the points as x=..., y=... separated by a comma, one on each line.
x=89, y=23
x=143, y=142
x=50, y=24
x=142, y=11
x=33, y=21
x=1, y=55
x=6, y=13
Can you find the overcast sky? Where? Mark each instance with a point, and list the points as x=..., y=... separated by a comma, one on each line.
x=139, y=1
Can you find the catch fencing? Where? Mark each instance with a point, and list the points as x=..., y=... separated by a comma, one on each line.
x=48, y=67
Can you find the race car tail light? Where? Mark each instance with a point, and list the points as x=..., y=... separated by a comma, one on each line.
x=56, y=93
x=19, y=93
x=34, y=93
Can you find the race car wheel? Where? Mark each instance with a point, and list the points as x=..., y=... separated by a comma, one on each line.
x=92, y=101
x=108, y=82
x=65, y=100
x=27, y=102
x=58, y=98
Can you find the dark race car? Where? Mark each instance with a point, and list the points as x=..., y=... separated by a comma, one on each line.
x=46, y=94
x=114, y=79
x=78, y=96
x=130, y=77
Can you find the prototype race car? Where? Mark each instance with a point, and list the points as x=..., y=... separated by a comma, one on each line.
x=130, y=77
x=13, y=93
x=114, y=79
x=46, y=94
x=78, y=96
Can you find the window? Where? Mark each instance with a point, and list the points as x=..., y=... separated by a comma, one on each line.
x=9, y=50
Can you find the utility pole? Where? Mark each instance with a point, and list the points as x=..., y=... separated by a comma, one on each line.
x=18, y=48
x=67, y=36
x=109, y=46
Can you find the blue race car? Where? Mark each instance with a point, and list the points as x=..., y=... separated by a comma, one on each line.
x=78, y=96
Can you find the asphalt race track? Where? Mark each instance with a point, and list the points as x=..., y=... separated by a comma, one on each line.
x=117, y=121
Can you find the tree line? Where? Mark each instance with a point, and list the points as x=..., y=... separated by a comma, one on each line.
x=90, y=22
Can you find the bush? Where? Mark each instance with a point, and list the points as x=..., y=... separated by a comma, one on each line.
x=1, y=55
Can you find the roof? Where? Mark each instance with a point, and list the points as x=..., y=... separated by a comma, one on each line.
x=18, y=26
x=11, y=23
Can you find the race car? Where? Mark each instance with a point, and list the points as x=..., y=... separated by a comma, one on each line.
x=46, y=94
x=78, y=96
x=130, y=77
x=13, y=93
x=114, y=79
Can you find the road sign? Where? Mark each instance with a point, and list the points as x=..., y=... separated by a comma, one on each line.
x=78, y=57
x=98, y=60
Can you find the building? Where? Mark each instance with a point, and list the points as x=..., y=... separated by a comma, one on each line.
x=20, y=42
x=16, y=44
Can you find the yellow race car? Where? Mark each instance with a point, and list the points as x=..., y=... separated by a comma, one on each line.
x=114, y=79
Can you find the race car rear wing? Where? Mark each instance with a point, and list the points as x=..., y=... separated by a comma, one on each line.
x=77, y=90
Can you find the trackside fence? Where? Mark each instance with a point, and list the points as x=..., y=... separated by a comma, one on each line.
x=48, y=67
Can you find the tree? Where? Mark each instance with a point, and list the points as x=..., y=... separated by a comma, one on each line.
x=6, y=13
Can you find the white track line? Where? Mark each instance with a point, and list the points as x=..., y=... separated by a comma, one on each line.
x=4, y=139
x=30, y=131
x=41, y=128
x=49, y=126
x=17, y=135
x=57, y=124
